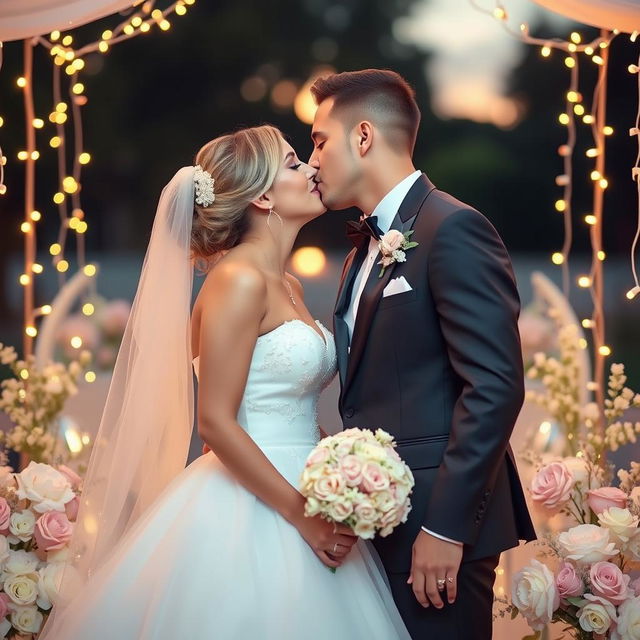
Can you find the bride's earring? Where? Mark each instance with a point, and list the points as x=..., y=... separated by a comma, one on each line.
x=275, y=213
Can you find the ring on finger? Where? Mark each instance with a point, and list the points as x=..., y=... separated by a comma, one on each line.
x=440, y=584
x=450, y=579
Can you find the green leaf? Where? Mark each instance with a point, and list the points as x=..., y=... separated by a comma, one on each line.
x=578, y=602
x=409, y=245
x=409, y=233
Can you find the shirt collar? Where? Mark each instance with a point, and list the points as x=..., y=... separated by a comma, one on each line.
x=388, y=207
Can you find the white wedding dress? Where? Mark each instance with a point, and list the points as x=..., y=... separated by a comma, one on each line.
x=211, y=561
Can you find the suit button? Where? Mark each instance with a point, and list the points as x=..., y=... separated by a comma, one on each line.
x=349, y=413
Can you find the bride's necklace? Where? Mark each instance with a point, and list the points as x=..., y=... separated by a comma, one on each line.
x=293, y=302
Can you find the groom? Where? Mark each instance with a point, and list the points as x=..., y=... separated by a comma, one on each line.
x=428, y=349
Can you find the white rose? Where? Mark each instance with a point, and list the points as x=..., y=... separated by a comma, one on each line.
x=628, y=626
x=366, y=511
x=22, y=589
x=4, y=549
x=622, y=524
x=384, y=501
x=22, y=524
x=579, y=469
x=340, y=509
x=371, y=451
x=27, y=619
x=22, y=562
x=46, y=487
x=535, y=594
x=596, y=616
x=586, y=544
x=49, y=582
x=364, y=530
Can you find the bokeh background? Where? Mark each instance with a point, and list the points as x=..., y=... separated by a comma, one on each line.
x=489, y=132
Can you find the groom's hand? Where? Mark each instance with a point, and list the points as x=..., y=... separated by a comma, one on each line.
x=432, y=560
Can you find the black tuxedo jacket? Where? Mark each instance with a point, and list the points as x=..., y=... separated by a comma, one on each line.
x=440, y=368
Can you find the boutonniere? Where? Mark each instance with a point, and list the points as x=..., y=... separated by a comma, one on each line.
x=393, y=246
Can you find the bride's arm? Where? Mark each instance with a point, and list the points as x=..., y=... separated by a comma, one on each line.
x=232, y=309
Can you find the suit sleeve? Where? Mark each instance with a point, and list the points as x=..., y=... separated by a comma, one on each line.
x=475, y=294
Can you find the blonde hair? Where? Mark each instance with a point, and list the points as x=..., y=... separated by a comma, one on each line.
x=244, y=165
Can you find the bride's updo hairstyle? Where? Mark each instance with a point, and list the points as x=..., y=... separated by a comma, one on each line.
x=244, y=165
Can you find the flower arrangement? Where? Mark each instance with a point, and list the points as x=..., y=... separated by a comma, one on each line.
x=100, y=333
x=38, y=509
x=33, y=398
x=584, y=579
x=357, y=478
x=393, y=246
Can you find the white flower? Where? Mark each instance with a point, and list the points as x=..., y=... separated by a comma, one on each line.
x=383, y=437
x=49, y=582
x=365, y=530
x=535, y=594
x=621, y=523
x=399, y=256
x=586, y=544
x=597, y=615
x=27, y=619
x=579, y=469
x=628, y=626
x=22, y=524
x=204, y=187
x=22, y=562
x=22, y=589
x=47, y=488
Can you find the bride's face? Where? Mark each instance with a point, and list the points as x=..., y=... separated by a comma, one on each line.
x=294, y=192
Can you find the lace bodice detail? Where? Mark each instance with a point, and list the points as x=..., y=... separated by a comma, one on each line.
x=290, y=367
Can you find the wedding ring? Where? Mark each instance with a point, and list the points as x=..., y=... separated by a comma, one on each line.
x=440, y=584
x=450, y=580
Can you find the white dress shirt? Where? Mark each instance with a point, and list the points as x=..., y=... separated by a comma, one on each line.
x=385, y=212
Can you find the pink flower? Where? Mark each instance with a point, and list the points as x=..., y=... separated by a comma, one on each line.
x=552, y=485
x=391, y=241
x=5, y=516
x=607, y=581
x=73, y=478
x=4, y=605
x=318, y=456
x=329, y=487
x=568, y=581
x=71, y=509
x=351, y=468
x=53, y=530
x=374, y=478
x=605, y=497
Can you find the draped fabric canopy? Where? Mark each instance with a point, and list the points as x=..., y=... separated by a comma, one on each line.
x=606, y=14
x=21, y=19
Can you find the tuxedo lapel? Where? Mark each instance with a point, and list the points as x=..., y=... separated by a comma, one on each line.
x=372, y=292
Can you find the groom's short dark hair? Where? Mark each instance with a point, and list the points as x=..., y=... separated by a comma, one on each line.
x=377, y=91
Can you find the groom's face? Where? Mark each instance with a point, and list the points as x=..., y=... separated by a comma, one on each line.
x=334, y=158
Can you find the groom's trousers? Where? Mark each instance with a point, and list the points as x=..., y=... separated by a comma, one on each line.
x=468, y=618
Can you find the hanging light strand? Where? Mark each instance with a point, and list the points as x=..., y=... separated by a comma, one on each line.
x=635, y=173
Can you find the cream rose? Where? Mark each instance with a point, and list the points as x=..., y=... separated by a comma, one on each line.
x=22, y=524
x=49, y=582
x=364, y=530
x=22, y=562
x=391, y=241
x=628, y=624
x=329, y=487
x=597, y=615
x=586, y=544
x=365, y=511
x=622, y=524
x=384, y=501
x=371, y=451
x=27, y=619
x=579, y=469
x=318, y=456
x=535, y=595
x=351, y=468
x=22, y=589
x=374, y=477
x=47, y=488
x=340, y=509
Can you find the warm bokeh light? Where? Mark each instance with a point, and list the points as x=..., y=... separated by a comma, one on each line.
x=604, y=350
x=557, y=258
x=309, y=261
x=584, y=281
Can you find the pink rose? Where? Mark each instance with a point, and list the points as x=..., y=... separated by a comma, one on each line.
x=607, y=581
x=392, y=240
x=318, y=456
x=552, y=485
x=73, y=478
x=374, y=478
x=568, y=582
x=4, y=605
x=605, y=497
x=351, y=468
x=71, y=509
x=329, y=487
x=53, y=531
x=5, y=516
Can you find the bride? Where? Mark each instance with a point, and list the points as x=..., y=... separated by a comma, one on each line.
x=220, y=549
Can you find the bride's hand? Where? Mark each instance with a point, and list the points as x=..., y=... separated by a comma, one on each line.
x=330, y=541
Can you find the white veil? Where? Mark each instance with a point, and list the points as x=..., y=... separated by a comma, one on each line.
x=144, y=435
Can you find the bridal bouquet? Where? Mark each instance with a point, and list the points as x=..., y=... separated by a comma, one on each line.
x=38, y=507
x=357, y=478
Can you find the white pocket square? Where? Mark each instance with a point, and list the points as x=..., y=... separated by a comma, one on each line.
x=395, y=286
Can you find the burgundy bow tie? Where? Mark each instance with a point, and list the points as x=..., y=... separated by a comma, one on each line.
x=366, y=228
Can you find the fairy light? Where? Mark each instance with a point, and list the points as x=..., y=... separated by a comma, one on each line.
x=604, y=350
x=37, y=268
x=584, y=282
x=62, y=266
x=76, y=342
x=561, y=205
x=90, y=270
x=545, y=51
x=90, y=376
x=590, y=219
x=36, y=216
x=88, y=309
x=587, y=323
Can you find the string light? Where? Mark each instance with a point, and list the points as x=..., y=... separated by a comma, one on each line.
x=604, y=350
x=557, y=258
x=584, y=282
x=590, y=219
x=88, y=309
